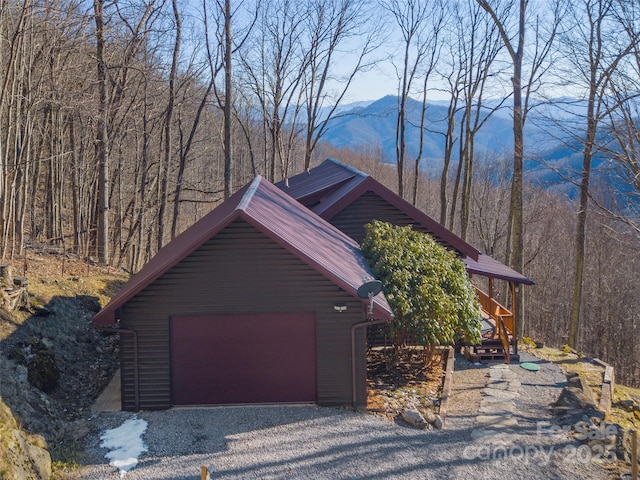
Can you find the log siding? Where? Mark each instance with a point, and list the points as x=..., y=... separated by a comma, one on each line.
x=366, y=208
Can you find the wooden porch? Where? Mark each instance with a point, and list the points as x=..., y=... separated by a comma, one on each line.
x=499, y=335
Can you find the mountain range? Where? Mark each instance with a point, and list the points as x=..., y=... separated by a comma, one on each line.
x=553, y=155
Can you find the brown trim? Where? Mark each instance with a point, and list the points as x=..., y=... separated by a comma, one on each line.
x=516, y=317
x=448, y=383
x=354, y=399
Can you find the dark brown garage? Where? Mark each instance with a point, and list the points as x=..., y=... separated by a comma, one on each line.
x=241, y=308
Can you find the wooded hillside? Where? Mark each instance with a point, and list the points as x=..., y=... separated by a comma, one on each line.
x=121, y=123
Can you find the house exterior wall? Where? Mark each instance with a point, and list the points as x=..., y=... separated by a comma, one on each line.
x=240, y=270
x=368, y=207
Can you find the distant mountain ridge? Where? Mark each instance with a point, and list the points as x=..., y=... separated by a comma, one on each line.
x=553, y=160
x=375, y=124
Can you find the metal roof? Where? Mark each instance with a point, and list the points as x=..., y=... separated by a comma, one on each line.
x=331, y=186
x=312, y=186
x=277, y=215
x=489, y=267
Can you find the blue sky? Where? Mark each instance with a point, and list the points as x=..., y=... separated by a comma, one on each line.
x=371, y=86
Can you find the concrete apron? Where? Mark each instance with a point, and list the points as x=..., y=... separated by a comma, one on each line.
x=109, y=400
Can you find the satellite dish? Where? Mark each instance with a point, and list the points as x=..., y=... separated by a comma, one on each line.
x=370, y=289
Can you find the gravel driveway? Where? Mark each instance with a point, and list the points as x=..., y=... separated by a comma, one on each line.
x=309, y=442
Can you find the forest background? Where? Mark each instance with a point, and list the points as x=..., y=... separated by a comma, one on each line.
x=122, y=122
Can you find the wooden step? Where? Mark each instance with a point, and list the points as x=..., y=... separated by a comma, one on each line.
x=490, y=351
x=489, y=348
x=491, y=357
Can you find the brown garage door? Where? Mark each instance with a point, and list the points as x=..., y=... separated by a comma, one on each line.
x=222, y=359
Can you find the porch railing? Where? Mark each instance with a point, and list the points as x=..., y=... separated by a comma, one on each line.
x=504, y=338
x=498, y=313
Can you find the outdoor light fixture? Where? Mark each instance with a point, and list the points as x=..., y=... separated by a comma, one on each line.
x=340, y=307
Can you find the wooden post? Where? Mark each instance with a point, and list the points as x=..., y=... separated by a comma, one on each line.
x=606, y=393
x=6, y=272
x=204, y=473
x=634, y=455
x=514, y=311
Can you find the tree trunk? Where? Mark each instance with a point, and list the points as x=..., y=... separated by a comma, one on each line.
x=168, y=136
x=467, y=161
x=169, y=118
x=581, y=226
x=515, y=250
x=449, y=142
x=228, y=99
x=515, y=211
x=456, y=182
x=102, y=150
x=401, y=127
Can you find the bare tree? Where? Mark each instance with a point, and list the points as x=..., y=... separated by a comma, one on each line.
x=102, y=137
x=478, y=46
x=412, y=19
x=595, y=48
x=551, y=233
x=168, y=138
x=516, y=52
x=334, y=25
x=490, y=215
x=228, y=48
x=453, y=79
x=623, y=111
x=186, y=145
x=228, y=97
x=434, y=47
x=19, y=94
x=544, y=28
x=273, y=67
x=57, y=123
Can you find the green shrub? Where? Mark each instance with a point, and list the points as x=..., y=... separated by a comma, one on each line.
x=426, y=285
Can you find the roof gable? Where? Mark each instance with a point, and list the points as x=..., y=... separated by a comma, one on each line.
x=343, y=197
x=343, y=184
x=311, y=238
x=287, y=222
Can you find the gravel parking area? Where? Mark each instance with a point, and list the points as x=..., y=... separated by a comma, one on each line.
x=310, y=442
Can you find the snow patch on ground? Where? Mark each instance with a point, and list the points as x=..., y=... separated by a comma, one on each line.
x=125, y=443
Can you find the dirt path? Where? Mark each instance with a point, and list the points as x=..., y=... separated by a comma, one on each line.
x=506, y=411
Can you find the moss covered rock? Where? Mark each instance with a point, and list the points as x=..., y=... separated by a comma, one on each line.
x=22, y=456
x=43, y=373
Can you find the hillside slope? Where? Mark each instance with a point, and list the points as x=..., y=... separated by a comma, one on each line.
x=68, y=292
x=56, y=349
